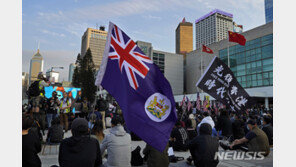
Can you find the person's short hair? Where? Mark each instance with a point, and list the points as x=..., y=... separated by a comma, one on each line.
x=205, y=114
x=178, y=123
x=116, y=120
x=98, y=126
x=267, y=119
x=79, y=127
x=55, y=121
x=224, y=112
x=251, y=122
x=188, y=123
x=27, y=122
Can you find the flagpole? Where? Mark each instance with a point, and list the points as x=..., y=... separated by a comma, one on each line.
x=228, y=61
x=201, y=62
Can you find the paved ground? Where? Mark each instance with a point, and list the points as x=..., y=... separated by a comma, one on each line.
x=50, y=157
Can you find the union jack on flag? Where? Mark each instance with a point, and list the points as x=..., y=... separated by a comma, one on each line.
x=129, y=56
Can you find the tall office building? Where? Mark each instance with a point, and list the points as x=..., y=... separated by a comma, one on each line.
x=25, y=84
x=95, y=39
x=72, y=67
x=268, y=4
x=36, y=66
x=213, y=27
x=170, y=64
x=184, y=37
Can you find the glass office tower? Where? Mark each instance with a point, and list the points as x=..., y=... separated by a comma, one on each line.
x=252, y=64
x=268, y=4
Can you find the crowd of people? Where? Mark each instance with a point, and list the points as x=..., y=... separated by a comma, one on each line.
x=198, y=131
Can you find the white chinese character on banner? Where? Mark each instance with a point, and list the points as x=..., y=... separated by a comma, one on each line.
x=219, y=70
x=232, y=107
x=221, y=91
x=210, y=83
x=241, y=101
x=233, y=90
x=228, y=78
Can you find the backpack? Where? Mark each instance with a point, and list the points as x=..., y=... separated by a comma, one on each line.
x=34, y=90
x=137, y=159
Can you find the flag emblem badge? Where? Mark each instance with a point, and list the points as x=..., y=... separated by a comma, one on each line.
x=158, y=107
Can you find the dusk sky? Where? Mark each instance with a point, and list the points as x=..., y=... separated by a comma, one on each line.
x=59, y=25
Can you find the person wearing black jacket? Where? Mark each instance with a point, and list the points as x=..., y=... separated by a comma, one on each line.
x=267, y=128
x=179, y=137
x=204, y=147
x=238, y=127
x=55, y=132
x=80, y=149
x=224, y=124
x=31, y=144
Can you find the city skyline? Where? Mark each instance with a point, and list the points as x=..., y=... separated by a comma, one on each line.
x=59, y=28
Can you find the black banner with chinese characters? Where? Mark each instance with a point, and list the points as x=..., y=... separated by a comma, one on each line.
x=219, y=82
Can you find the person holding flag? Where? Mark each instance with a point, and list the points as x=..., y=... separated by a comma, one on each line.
x=141, y=90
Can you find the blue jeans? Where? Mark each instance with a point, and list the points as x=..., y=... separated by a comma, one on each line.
x=50, y=117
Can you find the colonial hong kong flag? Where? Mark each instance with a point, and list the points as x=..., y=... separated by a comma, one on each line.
x=141, y=90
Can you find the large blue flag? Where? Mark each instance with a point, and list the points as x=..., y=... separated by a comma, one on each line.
x=141, y=90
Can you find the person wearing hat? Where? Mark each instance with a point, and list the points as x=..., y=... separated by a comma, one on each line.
x=255, y=140
x=80, y=149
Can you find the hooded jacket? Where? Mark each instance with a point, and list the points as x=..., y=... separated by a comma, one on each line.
x=204, y=147
x=78, y=151
x=118, y=145
x=208, y=120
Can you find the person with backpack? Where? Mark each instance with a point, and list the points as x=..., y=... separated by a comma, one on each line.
x=65, y=110
x=36, y=96
x=36, y=91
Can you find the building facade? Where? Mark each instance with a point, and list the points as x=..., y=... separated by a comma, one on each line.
x=72, y=67
x=25, y=84
x=268, y=5
x=213, y=27
x=171, y=65
x=252, y=64
x=146, y=47
x=36, y=66
x=53, y=76
x=95, y=39
x=184, y=37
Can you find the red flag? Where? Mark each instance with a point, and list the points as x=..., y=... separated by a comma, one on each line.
x=207, y=49
x=238, y=38
x=183, y=21
x=205, y=103
x=189, y=105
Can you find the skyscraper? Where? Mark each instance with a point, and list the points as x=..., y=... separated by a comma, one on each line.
x=25, y=84
x=36, y=66
x=95, y=40
x=213, y=27
x=184, y=37
x=268, y=4
x=72, y=67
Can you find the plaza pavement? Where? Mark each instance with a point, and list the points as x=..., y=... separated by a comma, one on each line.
x=51, y=158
